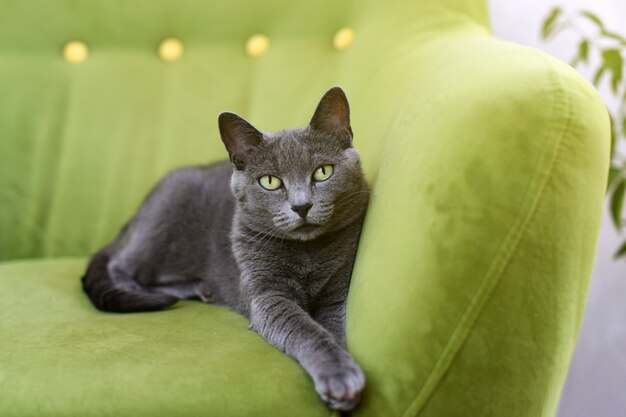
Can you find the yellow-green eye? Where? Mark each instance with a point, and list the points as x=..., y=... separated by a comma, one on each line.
x=270, y=182
x=323, y=172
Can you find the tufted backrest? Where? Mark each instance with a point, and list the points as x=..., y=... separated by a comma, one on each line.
x=81, y=143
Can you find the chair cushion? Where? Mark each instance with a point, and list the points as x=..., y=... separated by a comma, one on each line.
x=60, y=356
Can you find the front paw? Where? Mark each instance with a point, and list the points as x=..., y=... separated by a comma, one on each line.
x=340, y=385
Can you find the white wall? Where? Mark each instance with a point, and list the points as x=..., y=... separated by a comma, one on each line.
x=596, y=384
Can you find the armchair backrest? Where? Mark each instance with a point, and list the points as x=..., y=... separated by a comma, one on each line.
x=82, y=143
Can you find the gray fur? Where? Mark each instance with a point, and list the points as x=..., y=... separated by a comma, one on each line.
x=214, y=233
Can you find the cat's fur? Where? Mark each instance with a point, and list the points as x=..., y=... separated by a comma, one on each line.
x=282, y=258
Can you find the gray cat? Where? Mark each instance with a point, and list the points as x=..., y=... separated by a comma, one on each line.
x=272, y=234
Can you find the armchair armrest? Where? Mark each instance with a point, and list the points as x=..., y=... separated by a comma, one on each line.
x=474, y=262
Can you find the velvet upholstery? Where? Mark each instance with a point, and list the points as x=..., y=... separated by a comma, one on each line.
x=488, y=165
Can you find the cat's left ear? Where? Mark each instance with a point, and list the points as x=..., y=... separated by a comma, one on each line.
x=239, y=137
x=333, y=116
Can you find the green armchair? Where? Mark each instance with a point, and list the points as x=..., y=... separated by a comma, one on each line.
x=488, y=165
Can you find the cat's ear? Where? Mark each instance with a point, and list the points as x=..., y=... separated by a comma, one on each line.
x=333, y=116
x=239, y=137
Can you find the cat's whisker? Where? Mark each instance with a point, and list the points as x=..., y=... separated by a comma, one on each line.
x=262, y=234
x=260, y=252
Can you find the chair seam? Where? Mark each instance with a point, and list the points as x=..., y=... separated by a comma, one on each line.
x=498, y=266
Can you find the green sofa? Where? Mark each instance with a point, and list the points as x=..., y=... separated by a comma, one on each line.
x=488, y=164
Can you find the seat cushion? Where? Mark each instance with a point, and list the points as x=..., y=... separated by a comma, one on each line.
x=60, y=356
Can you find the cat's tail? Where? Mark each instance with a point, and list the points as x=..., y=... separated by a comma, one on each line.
x=107, y=297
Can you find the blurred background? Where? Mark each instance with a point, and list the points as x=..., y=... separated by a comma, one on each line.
x=596, y=383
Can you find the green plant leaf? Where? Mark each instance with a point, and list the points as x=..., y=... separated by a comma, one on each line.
x=621, y=251
x=550, y=23
x=615, y=36
x=612, y=59
x=594, y=18
x=583, y=50
x=614, y=173
x=598, y=76
x=582, y=54
x=617, y=200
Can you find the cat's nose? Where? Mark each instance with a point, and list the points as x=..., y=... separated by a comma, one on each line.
x=302, y=209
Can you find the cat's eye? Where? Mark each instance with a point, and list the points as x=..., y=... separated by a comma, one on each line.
x=270, y=182
x=323, y=172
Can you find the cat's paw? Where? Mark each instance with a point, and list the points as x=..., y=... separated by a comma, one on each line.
x=204, y=293
x=340, y=387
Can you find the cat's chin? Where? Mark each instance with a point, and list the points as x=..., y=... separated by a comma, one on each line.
x=306, y=231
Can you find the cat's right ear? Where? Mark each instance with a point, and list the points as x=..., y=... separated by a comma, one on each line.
x=332, y=115
x=239, y=137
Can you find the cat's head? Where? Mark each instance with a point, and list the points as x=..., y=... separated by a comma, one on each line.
x=297, y=183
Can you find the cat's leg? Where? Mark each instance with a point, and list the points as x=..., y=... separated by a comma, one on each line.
x=131, y=273
x=283, y=323
x=183, y=288
x=182, y=291
x=122, y=272
x=333, y=318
